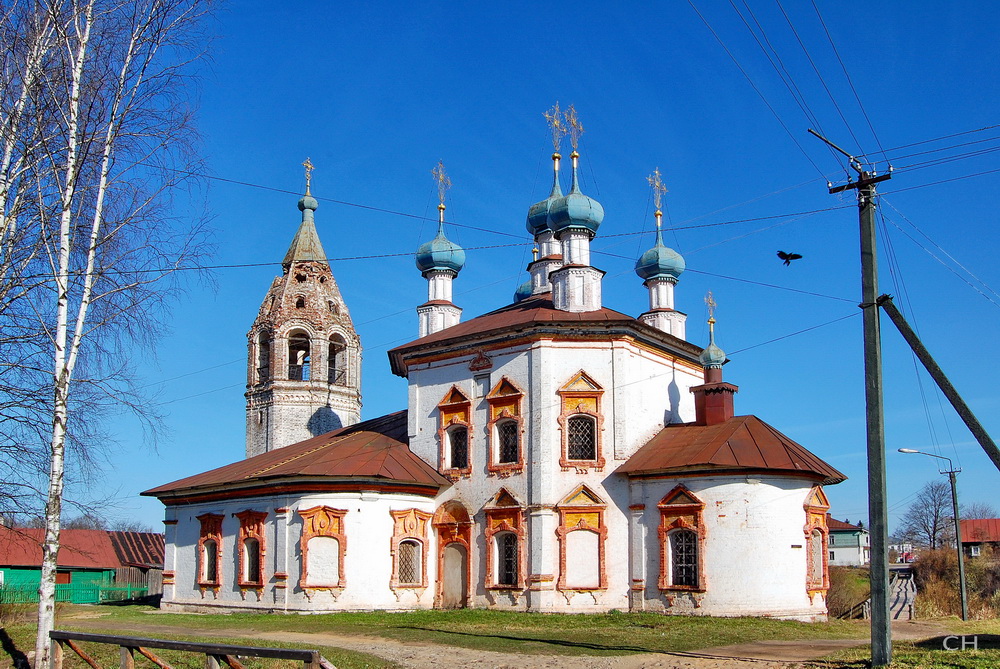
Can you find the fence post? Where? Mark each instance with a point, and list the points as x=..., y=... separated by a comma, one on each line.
x=56, y=654
x=211, y=662
x=127, y=657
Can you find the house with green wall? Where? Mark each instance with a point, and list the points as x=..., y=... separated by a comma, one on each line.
x=92, y=564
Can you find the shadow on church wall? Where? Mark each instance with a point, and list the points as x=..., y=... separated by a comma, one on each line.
x=323, y=420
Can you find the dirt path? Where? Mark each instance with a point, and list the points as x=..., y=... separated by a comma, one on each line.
x=756, y=655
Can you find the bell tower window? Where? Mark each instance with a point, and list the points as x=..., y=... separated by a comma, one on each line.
x=300, y=303
x=298, y=357
x=263, y=357
x=337, y=361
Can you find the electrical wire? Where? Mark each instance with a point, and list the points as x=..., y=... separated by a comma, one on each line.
x=937, y=139
x=847, y=75
x=754, y=86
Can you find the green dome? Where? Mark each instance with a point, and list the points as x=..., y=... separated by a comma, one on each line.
x=576, y=211
x=659, y=261
x=523, y=291
x=440, y=253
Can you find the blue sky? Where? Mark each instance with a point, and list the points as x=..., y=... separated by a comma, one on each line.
x=376, y=93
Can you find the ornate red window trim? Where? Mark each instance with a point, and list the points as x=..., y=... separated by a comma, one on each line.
x=582, y=511
x=504, y=514
x=816, y=506
x=251, y=528
x=322, y=521
x=454, y=409
x=211, y=530
x=581, y=396
x=504, y=405
x=680, y=509
x=409, y=524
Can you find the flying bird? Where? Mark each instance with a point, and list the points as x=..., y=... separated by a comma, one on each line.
x=788, y=257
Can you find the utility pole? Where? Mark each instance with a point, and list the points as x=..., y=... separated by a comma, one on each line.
x=878, y=520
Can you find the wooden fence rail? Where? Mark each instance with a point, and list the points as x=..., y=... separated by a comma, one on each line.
x=216, y=655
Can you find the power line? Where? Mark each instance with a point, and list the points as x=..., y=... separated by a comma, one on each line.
x=754, y=86
x=936, y=139
x=797, y=332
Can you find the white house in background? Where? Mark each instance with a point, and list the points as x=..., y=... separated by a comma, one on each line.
x=554, y=455
x=850, y=545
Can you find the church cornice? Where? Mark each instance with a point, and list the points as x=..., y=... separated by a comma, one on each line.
x=271, y=487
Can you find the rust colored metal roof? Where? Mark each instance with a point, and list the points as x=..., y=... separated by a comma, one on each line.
x=531, y=313
x=833, y=524
x=138, y=549
x=83, y=549
x=742, y=443
x=980, y=530
x=372, y=449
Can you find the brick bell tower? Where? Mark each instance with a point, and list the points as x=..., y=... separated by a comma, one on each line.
x=304, y=357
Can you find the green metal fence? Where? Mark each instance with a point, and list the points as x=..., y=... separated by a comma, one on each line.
x=74, y=593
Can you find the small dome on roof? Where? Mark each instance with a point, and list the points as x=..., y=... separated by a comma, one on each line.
x=712, y=355
x=440, y=253
x=308, y=202
x=538, y=214
x=523, y=291
x=576, y=210
x=659, y=261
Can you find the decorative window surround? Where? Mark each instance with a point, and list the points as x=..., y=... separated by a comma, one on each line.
x=211, y=530
x=322, y=521
x=504, y=514
x=817, y=578
x=251, y=529
x=409, y=525
x=581, y=396
x=454, y=409
x=681, y=510
x=453, y=525
x=504, y=408
x=582, y=511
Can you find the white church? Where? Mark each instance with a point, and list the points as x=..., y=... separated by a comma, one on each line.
x=554, y=455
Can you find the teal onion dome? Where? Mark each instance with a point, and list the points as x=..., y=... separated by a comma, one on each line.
x=308, y=202
x=712, y=356
x=440, y=253
x=576, y=211
x=523, y=291
x=659, y=261
x=538, y=213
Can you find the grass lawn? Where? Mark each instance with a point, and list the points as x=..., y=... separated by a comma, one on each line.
x=599, y=634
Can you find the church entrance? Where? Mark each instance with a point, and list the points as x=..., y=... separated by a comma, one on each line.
x=454, y=586
x=454, y=535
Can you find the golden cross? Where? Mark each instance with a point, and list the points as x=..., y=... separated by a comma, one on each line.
x=555, y=120
x=575, y=127
x=309, y=168
x=656, y=182
x=710, y=302
x=442, y=179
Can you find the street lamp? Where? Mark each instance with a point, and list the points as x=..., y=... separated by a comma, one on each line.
x=958, y=531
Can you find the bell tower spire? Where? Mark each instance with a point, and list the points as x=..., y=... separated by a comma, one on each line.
x=304, y=356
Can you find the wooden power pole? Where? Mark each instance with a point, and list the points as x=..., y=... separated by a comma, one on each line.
x=877, y=506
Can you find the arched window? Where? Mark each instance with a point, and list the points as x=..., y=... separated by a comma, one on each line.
x=684, y=558
x=506, y=558
x=298, y=357
x=209, y=561
x=408, y=566
x=582, y=438
x=251, y=560
x=263, y=357
x=458, y=447
x=336, y=361
x=509, y=441
x=300, y=303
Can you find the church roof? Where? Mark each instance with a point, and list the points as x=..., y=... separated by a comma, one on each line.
x=305, y=245
x=531, y=313
x=370, y=451
x=742, y=444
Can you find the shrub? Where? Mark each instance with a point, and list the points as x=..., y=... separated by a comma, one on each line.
x=936, y=574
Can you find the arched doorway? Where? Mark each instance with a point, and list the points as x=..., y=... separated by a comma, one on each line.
x=454, y=532
x=454, y=576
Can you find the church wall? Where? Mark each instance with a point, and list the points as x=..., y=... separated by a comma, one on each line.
x=753, y=549
x=639, y=390
x=366, y=561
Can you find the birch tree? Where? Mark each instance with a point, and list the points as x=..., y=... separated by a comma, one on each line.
x=97, y=136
